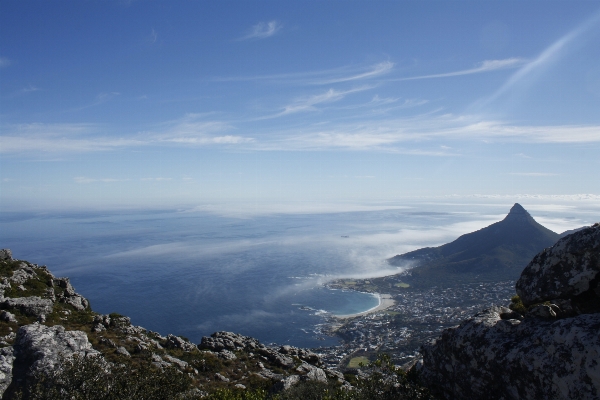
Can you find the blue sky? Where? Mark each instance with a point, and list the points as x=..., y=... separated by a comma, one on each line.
x=176, y=104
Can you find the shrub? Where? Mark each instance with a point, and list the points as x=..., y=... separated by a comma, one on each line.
x=517, y=305
x=92, y=378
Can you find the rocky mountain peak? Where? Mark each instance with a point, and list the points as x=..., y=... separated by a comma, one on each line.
x=518, y=214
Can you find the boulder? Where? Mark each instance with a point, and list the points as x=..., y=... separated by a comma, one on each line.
x=33, y=305
x=7, y=316
x=228, y=341
x=23, y=274
x=69, y=295
x=176, y=342
x=276, y=358
x=5, y=255
x=7, y=358
x=566, y=270
x=39, y=348
x=302, y=354
x=487, y=357
x=312, y=373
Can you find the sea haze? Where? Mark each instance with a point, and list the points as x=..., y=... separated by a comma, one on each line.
x=192, y=273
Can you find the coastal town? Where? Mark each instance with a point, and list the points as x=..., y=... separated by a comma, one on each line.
x=405, y=320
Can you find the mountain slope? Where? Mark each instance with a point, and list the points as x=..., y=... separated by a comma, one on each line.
x=500, y=250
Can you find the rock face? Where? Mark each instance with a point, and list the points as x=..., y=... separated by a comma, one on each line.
x=552, y=352
x=40, y=347
x=566, y=270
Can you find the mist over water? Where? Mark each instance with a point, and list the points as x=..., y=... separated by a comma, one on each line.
x=193, y=273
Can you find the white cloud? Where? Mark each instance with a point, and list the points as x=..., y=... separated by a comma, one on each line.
x=323, y=77
x=486, y=66
x=65, y=137
x=387, y=135
x=85, y=180
x=309, y=103
x=4, y=62
x=550, y=54
x=533, y=174
x=378, y=69
x=29, y=89
x=159, y=179
x=263, y=30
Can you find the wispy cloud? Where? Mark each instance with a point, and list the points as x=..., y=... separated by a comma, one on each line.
x=86, y=180
x=47, y=138
x=393, y=135
x=419, y=135
x=533, y=174
x=30, y=89
x=378, y=69
x=323, y=77
x=4, y=62
x=193, y=129
x=485, y=66
x=550, y=54
x=308, y=103
x=263, y=30
x=159, y=179
x=101, y=98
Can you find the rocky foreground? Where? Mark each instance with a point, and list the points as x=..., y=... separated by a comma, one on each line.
x=546, y=346
x=44, y=323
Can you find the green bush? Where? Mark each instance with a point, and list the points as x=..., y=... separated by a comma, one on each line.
x=517, y=305
x=92, y=378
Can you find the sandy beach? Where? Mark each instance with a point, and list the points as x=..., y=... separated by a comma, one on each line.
x=385, y=301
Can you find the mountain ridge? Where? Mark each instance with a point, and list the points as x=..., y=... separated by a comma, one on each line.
x=499, y=250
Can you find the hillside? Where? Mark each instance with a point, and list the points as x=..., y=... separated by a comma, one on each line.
x=53, y=346
x=499, y=251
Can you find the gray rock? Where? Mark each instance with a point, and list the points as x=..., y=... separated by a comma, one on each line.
x=5, y=255
x=7, y=316
x=569, y=268
x=302, y=354
x=239, y=386
x=176, y=342
x=79, y=302
x=542, y=311
x=122, y=351
x=286, y=383
x=32, y=305
x=40, y=348
x=7, y=358
x=108, y=342
x=220, y=377
x=229, y=341
x=490, y=358
x=159, y=362
x=226, y=355
x=312, y=373
x=141, y=347
x=22, y=275
x=69, y=296
x=276, y=358
x=180, y=363
x=268, y=374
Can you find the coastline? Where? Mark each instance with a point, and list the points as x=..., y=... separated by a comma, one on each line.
x=385, y=302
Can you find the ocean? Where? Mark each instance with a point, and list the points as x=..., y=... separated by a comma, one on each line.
x=194, y=271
